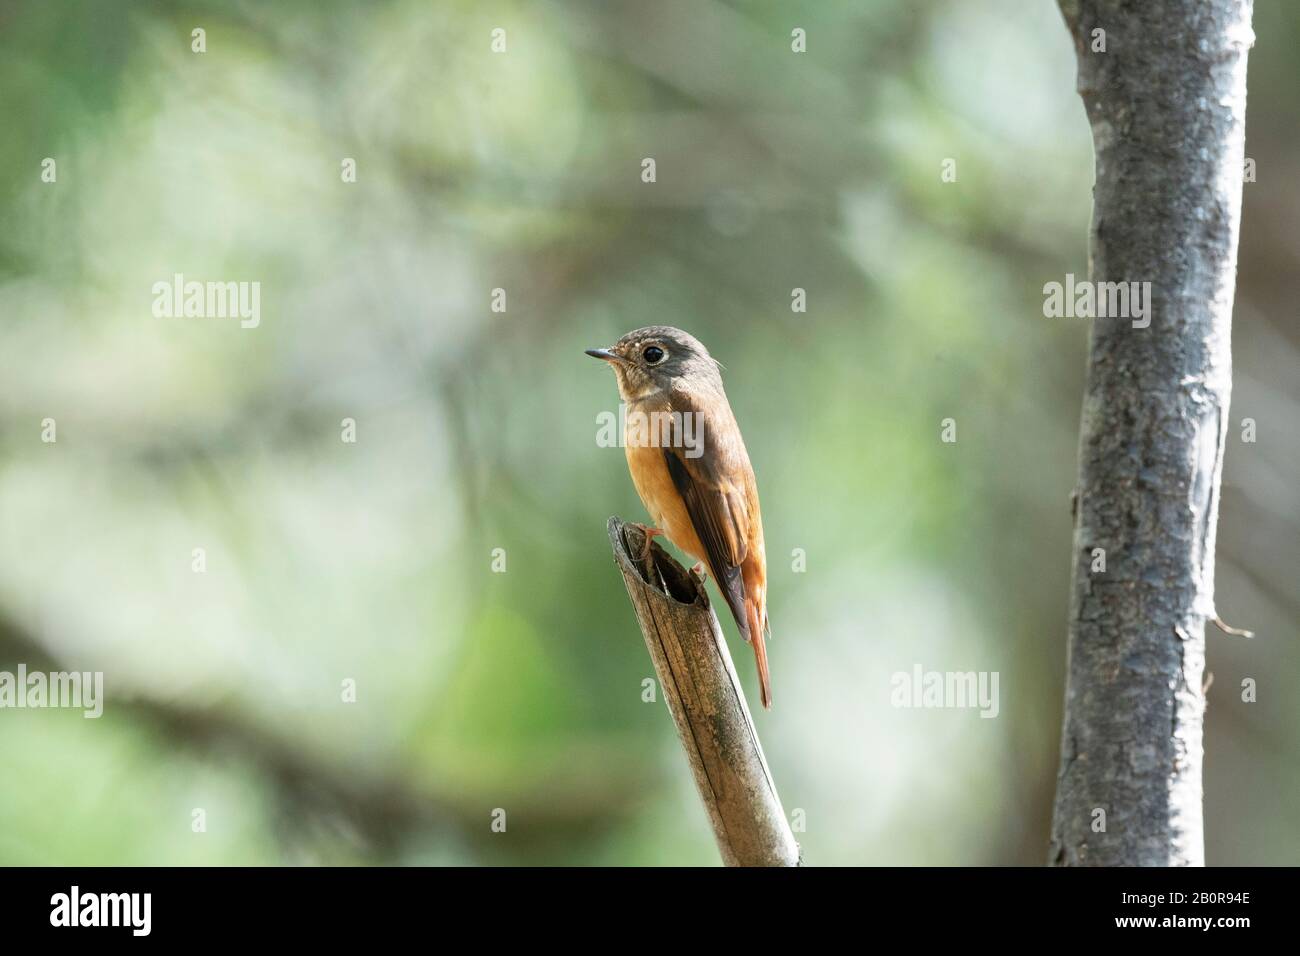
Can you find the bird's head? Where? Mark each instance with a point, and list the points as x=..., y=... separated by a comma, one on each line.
x=653, y=361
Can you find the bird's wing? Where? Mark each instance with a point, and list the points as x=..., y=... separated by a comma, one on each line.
x=712, y=486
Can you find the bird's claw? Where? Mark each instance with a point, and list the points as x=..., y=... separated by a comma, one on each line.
x=649, y=534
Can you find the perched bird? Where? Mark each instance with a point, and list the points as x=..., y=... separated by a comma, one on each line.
x=690, y=468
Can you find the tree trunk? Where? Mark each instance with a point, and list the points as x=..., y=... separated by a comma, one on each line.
x=1166, y=99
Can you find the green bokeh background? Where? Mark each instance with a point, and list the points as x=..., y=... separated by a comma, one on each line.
x=372, y=561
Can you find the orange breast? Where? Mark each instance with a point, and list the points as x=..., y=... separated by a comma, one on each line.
x=655, y=486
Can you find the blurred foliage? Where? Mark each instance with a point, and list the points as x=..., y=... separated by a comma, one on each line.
x=372, y=561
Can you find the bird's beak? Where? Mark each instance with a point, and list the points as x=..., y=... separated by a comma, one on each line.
x=606, y=354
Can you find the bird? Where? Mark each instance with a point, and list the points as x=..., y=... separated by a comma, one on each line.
x=690, y=468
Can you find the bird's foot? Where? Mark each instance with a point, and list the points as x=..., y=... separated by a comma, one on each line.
x=701, y=571
x=650, y=534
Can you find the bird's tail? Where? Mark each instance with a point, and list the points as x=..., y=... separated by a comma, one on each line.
x=757, y=627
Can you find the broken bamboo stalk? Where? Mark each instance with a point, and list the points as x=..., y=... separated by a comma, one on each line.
x=708, y=706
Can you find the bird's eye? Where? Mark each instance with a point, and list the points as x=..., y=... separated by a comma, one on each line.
x=653, y=355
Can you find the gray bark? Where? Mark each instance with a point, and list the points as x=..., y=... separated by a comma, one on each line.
x=703, y=694
x=1166, y=101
